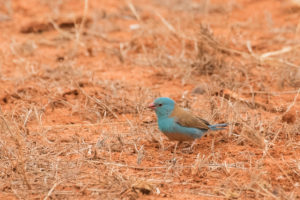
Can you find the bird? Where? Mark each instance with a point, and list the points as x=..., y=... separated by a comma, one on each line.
x=179, y=124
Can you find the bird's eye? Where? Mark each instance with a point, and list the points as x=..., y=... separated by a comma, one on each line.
x=160, y=104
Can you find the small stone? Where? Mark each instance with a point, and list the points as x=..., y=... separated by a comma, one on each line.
x=198, y=90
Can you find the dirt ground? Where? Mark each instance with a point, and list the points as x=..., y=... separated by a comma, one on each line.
x=76, y=78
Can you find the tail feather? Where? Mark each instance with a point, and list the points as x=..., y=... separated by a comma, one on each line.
x=217, y=127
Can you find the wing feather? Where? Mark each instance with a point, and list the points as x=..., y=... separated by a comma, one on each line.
x=187, y=119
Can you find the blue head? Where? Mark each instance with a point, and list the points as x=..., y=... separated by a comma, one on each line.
x=163, y=107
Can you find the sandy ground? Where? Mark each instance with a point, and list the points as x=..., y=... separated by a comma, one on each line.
x=76, y=78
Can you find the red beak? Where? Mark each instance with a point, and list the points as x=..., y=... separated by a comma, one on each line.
x=152, y=106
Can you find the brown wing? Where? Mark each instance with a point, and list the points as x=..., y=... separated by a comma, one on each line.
x=187, y=119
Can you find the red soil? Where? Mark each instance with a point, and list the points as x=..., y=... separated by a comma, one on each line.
x=74, y=88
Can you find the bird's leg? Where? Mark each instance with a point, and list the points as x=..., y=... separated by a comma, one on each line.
x=193, y=144
x=189, y=149
x=175, y=148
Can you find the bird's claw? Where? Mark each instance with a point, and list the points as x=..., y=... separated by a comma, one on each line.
x=188, y=150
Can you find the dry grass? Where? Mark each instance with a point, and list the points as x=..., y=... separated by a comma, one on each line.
x=72, y=127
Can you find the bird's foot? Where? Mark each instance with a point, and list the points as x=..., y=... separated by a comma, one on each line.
x=188, y=150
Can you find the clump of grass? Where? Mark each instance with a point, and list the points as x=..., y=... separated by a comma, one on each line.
x=209, y=59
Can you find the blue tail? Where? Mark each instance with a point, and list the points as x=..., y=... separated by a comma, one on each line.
x=217, y=127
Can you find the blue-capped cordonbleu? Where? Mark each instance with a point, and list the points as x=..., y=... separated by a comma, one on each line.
x=179, y=124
